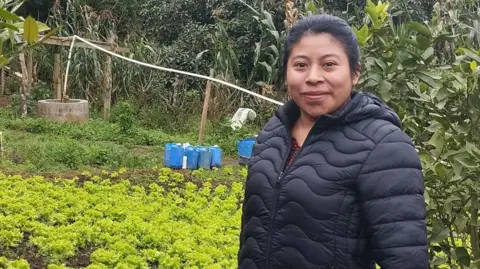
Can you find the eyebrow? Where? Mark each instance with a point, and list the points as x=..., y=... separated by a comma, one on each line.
x=323, y=56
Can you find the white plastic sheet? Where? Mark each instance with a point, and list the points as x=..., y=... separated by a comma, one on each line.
x=241, y=116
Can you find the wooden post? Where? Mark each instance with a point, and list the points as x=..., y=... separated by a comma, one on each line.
x=206, y=102
x=57, y=77
x=107, y=86
x=30, y=70
x=66, y=42
x=24, y=87
x=108, y=79
x=2, y=77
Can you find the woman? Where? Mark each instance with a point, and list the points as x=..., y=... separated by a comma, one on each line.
x=333, y=181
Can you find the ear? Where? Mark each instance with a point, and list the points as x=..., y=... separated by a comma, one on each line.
x=355, y=77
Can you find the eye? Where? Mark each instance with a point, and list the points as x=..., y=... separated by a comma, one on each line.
x=300, y=64
x=330, y=64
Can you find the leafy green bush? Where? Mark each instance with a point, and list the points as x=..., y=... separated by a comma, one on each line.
x=123, y=115
x=437, y=99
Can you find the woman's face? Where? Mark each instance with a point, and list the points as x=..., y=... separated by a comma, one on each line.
x=319, y=78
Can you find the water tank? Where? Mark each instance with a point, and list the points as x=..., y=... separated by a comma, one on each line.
x=216, y=156
x=205, y=158
x=176, y=156
x=192, y=158
x=166, y=155
x=245, y=147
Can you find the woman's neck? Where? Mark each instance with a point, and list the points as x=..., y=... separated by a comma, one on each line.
x=306, y=121
x=302, y=127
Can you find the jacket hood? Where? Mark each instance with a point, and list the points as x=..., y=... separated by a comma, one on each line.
x=360, y=107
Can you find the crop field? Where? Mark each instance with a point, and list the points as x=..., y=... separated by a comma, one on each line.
x=162, y=219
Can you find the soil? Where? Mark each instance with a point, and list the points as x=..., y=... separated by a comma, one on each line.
x=4, y=100
x=27, y=252
x=82, y=259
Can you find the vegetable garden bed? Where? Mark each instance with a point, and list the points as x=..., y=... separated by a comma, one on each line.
x=170, y=220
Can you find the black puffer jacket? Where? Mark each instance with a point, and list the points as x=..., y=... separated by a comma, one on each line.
x=352, y=197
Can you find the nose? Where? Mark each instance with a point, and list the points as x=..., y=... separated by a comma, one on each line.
x=315, y=75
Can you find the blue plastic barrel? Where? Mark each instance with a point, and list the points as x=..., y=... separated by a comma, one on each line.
x=245, y=150
x=245, y=147
x=192, y=158
x=204, y=158
x=166, y=155
x=216, y=156
x=176, y=156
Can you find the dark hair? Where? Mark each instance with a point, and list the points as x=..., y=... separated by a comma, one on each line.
x=328, y=24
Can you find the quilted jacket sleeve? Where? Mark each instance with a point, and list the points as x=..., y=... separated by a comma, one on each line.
x=390, y=189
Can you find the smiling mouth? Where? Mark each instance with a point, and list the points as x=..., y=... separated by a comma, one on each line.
x=315, y=95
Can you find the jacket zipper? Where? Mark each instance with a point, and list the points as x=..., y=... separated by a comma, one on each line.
x=268, y=251
x=276, y=194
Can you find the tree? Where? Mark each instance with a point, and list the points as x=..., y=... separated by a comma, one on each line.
x=438, y=102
